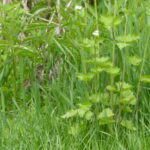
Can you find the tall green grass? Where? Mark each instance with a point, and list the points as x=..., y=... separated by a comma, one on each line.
x=43, y=75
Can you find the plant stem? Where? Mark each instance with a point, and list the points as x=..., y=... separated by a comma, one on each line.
x=113, y=61
x=141, y=71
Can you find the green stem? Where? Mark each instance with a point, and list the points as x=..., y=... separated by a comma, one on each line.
x=113, y=61
x=14, y=74
x=113, y=52
x=97, y=45
x=141, y=71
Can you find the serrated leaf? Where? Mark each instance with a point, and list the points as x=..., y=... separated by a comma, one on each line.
x=106, y=113
x=98, y=61
x=110, y=21
x=126, y=109
x=74, y=130
x=122, y=45
x=89, y=115
x=128, y=97
x=135, y=60
x=106, y=117
x=95, y=98
x=145, y=78
x=102, y=64
x=88, y=43
x=83, y=108
x=123, y=86
x=128, y=38
x=128, y=11
x=69, y=114
x=81, y=112
x=97, y=70
x=106, y=121
x=113, y=70
x=111, y=88
x=128, y=124
x=85, y=105
x=85, y=76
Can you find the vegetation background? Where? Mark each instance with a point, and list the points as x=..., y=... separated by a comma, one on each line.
x=74, y=75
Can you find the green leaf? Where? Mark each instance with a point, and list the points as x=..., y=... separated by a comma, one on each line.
x=3, y=57
x=74, y=130
x=145, y=78
x=69, y=114
x=111, y=88
x=4, y=44
x=95, y=98
x=119, y=86
x=38, y=25
x=128, y=124
x=113, y=70
x=100, y=62
x=24, y=51
x=81, y=12
x=5, y=89
x=83, y=108
x=89, y=115
x=125, y=40
x=38, y=11
x=11, y=6
x=105, y=121
x=97, y=70
x=89, y=46
x=88, y=43
x=81, y=112
x=106, y=117
x=135, y=60
x=110, y=21
x=128, y=38
x=106, y=113
x=122, y=45
x=128, y=97
x=85, y=76
x=126, y=109
x=85, y=105
x=123, y=86
x=147, y=8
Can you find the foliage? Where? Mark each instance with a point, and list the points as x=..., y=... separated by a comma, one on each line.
x=74, y=74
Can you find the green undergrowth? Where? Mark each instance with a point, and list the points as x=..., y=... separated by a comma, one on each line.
x=75, y=76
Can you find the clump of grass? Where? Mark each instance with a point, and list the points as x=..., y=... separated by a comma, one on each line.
x=73, y=75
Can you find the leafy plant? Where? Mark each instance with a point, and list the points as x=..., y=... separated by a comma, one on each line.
x=86, y=61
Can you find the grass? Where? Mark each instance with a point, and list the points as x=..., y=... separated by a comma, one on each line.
x=44, y=73
x=45, y=131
